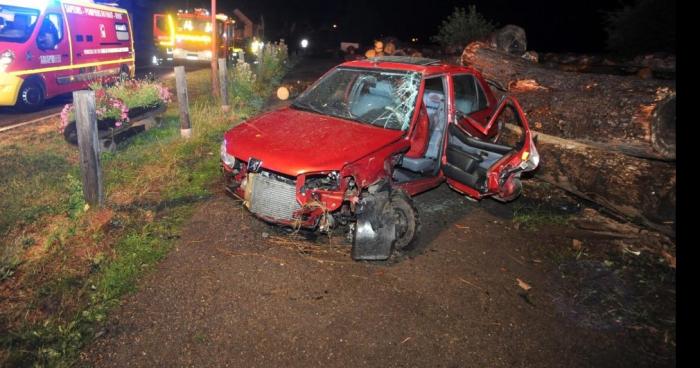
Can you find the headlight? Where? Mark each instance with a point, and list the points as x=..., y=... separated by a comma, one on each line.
x=227, y=159
x=330, y=181
x=6, y=58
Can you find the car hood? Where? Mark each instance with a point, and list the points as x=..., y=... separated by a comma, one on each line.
x=293, y=142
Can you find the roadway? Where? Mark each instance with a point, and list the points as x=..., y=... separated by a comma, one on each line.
x=11, y=117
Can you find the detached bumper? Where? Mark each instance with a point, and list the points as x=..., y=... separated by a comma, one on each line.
x=9, y=89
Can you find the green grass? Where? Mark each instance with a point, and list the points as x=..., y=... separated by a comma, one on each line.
x=157, y=172
x=533, y=218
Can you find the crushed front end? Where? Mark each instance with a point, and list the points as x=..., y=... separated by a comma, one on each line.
x=312, y=200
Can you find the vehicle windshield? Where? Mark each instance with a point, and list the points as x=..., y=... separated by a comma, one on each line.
x=378, y=97
x=193, y=25
x=16, y=24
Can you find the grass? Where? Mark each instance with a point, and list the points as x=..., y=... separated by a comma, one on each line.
x=67, y=265
x=535, y=217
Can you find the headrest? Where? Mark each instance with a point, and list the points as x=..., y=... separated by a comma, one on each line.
x=433, y=99
x=382, y=88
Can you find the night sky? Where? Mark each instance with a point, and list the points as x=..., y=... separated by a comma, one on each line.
x=550, y=25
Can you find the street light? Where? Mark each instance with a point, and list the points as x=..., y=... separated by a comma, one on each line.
x=304, y=43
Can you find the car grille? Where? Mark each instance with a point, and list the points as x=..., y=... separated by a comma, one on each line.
x=273, y=198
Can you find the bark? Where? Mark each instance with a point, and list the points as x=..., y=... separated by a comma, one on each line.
x=634, y=188
x=620, y=112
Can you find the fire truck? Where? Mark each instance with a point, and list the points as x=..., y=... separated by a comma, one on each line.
x=51, y=47
x=186, y=36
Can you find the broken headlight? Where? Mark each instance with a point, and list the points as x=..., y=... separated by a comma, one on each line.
x=226, y=158
x=330, y=181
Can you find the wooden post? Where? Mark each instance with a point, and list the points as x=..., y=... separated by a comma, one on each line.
x=214, y=50
x=88, y=144
x=223, y=80
x=183, y=101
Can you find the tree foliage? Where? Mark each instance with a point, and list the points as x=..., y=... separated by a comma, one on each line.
x=644, y=26
x=462, y=27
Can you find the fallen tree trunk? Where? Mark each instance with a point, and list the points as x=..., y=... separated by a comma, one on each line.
x=635, y=115
x=637, y=189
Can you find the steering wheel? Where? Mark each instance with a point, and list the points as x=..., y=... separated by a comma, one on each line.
x=394, y=112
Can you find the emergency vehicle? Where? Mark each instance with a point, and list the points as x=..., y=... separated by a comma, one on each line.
x=51, y=47
x=186, y=36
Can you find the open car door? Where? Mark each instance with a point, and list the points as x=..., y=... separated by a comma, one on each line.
x=479, y=168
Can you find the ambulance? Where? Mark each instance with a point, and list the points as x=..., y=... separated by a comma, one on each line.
x=51, y=47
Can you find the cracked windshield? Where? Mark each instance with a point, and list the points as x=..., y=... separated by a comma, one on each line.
x=380, y=98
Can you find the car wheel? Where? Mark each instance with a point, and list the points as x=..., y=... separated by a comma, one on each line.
x=70, y=133
x=124, y=74
x=406, y=217
x=31, y=96
x=108, y=145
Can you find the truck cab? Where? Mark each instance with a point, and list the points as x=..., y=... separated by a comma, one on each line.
x=186, y=36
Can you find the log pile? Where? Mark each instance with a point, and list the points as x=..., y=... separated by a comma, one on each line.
x=607, y=138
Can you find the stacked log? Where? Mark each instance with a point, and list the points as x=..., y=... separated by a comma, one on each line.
x=607, y=138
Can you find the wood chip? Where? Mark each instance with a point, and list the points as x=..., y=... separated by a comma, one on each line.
x=523, y=285
x=576, y=244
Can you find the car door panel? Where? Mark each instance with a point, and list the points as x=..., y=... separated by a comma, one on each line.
x=469, y=159
x=476, y=167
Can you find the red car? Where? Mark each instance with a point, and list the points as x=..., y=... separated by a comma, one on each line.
x=366, y=137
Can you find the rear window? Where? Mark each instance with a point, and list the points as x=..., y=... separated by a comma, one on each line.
x=122, y=31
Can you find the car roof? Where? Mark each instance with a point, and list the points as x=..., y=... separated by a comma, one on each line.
x=408, y=63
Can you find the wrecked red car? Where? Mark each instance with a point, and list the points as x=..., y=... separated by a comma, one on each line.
x=367, y=136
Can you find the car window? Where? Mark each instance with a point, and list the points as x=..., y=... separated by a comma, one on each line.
x=482, y=102
x=511, y=132
x=50, y=32
x=16, y=23
x=469, y=96
x=122, y=31
x=382, y=98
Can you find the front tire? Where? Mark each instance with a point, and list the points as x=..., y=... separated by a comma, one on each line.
x=407, y=221
x=31, y=96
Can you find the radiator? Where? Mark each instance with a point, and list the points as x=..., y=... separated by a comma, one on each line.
x=273, y=198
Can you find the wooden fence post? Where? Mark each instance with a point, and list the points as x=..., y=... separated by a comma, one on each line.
x=183, y=101
x=223, y=83
x=88, y=144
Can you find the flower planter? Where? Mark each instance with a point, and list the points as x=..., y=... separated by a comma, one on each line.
x=107, y=130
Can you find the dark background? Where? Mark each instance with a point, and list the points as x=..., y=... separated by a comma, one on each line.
x=557, y=26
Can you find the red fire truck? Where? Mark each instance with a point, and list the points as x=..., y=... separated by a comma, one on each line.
x=50, y=47
x=186, y=36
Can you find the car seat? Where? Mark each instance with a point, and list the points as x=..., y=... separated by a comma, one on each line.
x=438, y=118
x=378, y=96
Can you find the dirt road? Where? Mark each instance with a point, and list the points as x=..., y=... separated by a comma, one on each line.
x=238, y=293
